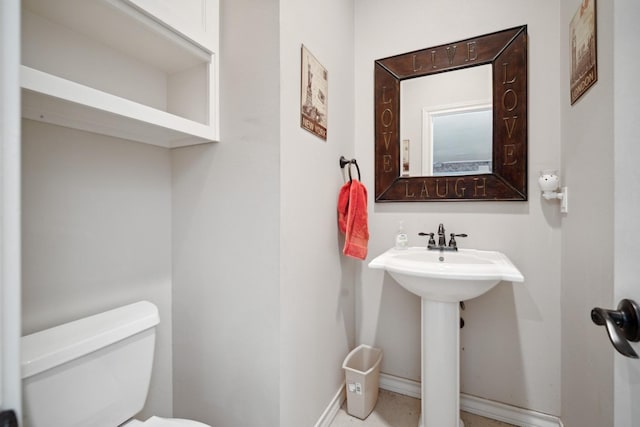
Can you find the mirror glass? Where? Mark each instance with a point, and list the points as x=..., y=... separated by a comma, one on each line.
x=446, y=123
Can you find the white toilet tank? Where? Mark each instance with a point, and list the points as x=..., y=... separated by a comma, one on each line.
x=91, y=372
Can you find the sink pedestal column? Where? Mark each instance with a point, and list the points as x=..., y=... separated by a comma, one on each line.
x=440, y=364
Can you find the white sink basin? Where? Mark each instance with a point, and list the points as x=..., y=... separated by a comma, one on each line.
x=447, y=276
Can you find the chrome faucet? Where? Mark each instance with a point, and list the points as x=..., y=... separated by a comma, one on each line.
x=442, y=241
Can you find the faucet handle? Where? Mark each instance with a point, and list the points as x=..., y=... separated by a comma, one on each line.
x=431, y=239
x=452, y=241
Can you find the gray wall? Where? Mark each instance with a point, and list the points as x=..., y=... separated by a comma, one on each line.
x=316, y=283
x=511, y=339
x=263, y=300
x=587, y=232
x=226, y=235
x=96, y=234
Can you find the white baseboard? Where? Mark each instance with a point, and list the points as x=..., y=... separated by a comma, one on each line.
x=400, y=385
x=476, y=405
x=334, y=406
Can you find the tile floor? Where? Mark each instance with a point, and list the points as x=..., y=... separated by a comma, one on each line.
x=396, y=410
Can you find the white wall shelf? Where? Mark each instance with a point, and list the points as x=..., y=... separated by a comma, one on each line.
x=55, y=100
x=112, y=67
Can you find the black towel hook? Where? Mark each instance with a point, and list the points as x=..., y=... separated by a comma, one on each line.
x=344, y=162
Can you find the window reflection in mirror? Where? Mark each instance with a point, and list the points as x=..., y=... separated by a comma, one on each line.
x=460, y=141
x=459, y=101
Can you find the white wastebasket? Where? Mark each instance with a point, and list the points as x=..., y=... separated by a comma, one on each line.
x=362, y=372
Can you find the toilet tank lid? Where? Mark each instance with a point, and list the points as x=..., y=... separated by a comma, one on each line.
x=52, y=347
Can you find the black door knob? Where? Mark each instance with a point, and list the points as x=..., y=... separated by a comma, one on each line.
x=623, y=325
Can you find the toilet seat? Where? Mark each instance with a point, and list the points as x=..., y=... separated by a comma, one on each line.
x=165, y=422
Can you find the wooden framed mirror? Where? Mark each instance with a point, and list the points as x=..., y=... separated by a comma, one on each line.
x=502, y=175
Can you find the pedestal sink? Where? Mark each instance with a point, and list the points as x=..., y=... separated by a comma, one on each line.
x=442, y=279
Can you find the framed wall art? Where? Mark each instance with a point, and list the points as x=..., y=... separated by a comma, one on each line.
x=313, y=99
x=582, y=30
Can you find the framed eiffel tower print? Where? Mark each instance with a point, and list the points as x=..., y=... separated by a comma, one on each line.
x=313, y=95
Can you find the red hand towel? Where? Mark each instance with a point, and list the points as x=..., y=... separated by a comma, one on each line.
x=343, y=206
x=352, y=219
